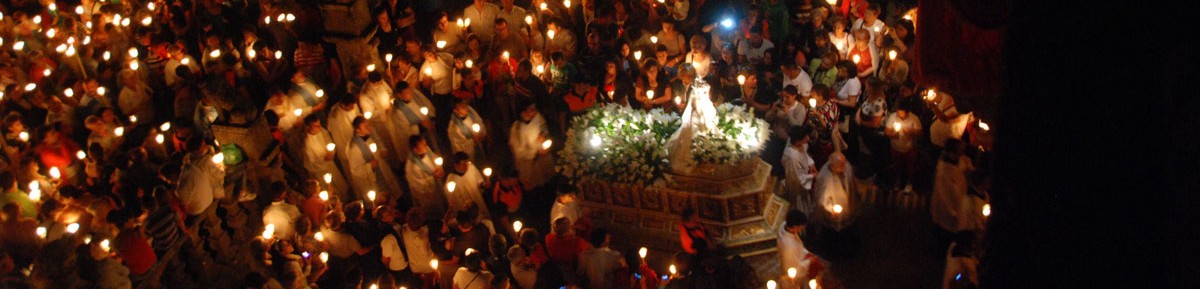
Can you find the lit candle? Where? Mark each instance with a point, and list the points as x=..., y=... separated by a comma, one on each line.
x=35, y=195
x=278, y=54
x=424, y=110
x=46, y=72
x=159, y=138
x=41, y=232
x=34, y=186
x=544, y=6
x=374, y=286
x=215, y=53
x=791, y=273
x=984, y=126
x=368, y=115
x=642, y=252
x=930, y=95
x=856, y=58
x=812, y=283
x=450, y=186
x=475, y=128
x=267, y=20
x=147, y=21
x=654, y=39
x=987, y=210
x=19, y=45
x=30, y=87
x=595, y=141
x=678, y=100
x=438, y=161
x=837, y=209
x=79, y=9
x=106, y=245
x=371, y=196
x=458, y=22
x=672, y=269
x=838, y=45
x=550, y=33
x=388, y=57
x=567, y=3
x=319, y=93
x=517, y=225
x=133, y=65
x=150, y=6
x=133, y=119
x=546, y=144
x=54, y=173
x=324, y=195
x=467, y=22
x=72, y=228
x=324, y=257
x=24, y=136
x=269, y=231
x=429, y=71
x=108, y=55
x=290, y=17
x=433, y=263
x=771, y=283
x=892, y=55
x=80, y=154
x=487, y=172
x=218, y=158
x=741, y=79
x=69, y=92
x=328, y=178
x=320, y=237
x=185, y=61
x=329, y=147
x=650, y=94
x=280, y=17
x=250, y=53
x=373, y=147
x=541, y=69
x=897, y=126
x=528, y=20
x=878, y=29
x=119, y=131
x=469, y=63
x=637, y=55
x=812, y=102
x=297, y=112
x=504, y=55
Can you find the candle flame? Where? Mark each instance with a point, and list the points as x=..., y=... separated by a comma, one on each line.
x=215, y=53
x=987, y=210
x=329, y=147
x=741, y=79
x=320, y=93
x=450, y=186
x=371, y=67
x=371, y=195
x=654, y=39
x=650, y=94
x=373, y=147
x=119, y=131
x=892, y=55
x=517, y=225
x=388, y=57
x=165, y=126
x=433, y=263
x=159, y=138
x=475, y=128
x=328, y=178
x=856, y=58
x=218, y=158
x=596, y=141
x=642, y=252
x=278, y=54
x=72, y=228
x=324, y=196
x=54, y=173
x=106, y=245
x=812, y=102
x=41, y=232
x=812, y=283
x=324, y=257
x=546, y=144
x=637, y=55
x=528, y=20
x=771, y=283
x=837, y=209
x=984, y=126
x=791, y=272
x=567, y=3
x=672, y=269
x=269, y=231
x=897, y=126
x=469, y=63
x=80, y=154
x=487, y=172
x=24, y=136
x=441, y=44
x=424, y=110
x=438, y=161
x=319, y=236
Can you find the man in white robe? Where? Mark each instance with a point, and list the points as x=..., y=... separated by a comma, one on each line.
x=466, y=130
x=792, y=252
x=305, y=93
x=535, y=165
x=375, y=100
x=408, y=117
x=341, y=118
x=468, y=186
x=288, y=111
x=367, y=171
x=423, y=173
x=318, y=159
x=799, y=168
x=834, y=184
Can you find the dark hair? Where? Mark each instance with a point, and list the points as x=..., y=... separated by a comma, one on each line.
x=461, y=156
x=795, y=218
x=359, y=120
x=413, y=141
x=402, y=85
x=797, y=133
x=278, y=191
x=375, y=76
x=311, y=118
x=7, y=180
x=848, y=66
x=599, y=235
x=271, y=117
x=474, y=262
x=790, y=89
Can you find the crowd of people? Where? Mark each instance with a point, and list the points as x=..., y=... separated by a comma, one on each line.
x=429, y=163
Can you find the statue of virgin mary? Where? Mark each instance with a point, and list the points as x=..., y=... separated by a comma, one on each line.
x=699, y=117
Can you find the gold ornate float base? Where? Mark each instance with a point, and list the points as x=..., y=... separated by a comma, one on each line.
x=735, y=202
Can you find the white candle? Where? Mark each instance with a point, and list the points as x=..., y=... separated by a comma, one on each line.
x=654, y=39
x=650, y=94
x=637, y=55
x=319, y=93
x=72, y=228
x=438, y=161
x=812, y=283
x=373, y=147
x=892, y=55
x=546, y=144
x=80, y=154
x=215, y=53
x=218, y=158
x=837, y=209
x=791, y=273
x=41, y=232
x=320, y=237
x=119, y=131
x=504, y=55
x=328, y=178
x=987, y=210
x=159, y=138
x=424, y=110
x=771, y=283
x=450, y=186
x=487, y=172
x=672, y=269
x=388, y=57
x=54, y=173
x=897, y=126
x=433, y=263
x=595, y=141
x=269, y=231
x=517, y=225
x=106, y=245
x=642, y=252
x=329, y=147
x=567, y=3
x=324, y=257
x=475, y=128
x=984, y=126
x=371, y=196
x=324, y=196
x=741, y=79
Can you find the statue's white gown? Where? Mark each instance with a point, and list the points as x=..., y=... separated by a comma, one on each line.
x=699, y=117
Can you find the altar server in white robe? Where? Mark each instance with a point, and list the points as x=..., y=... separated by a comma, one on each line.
x=339, y=123
x=304, y=93
x=375, y=100
x=468, y=186
x=792, y=252
x=799, y=168
x=318, y=159
x=367, y=170
x=535, y=164
x=466, y=130
x=834, y=184
x=408, y=117
x=423, y=174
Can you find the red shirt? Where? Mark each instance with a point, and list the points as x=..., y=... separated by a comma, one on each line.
x=565, y=250
x=864, y=58
x=510, y=197
x=135, y=252
x=580, y=104
x=313, y=208
x=60, y=156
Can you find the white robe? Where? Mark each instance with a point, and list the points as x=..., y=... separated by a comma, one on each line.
x=793, y=254
x=382, y=180
x=201, y=182
x=834, y=189
x=461, y=135
x=525, y=141
x=426, y=191
x=949, y=192
x=376, y=98
x=316, y=164
x=467, y=190
x=297, y=98
x=341, y=128
x=287, y=113
x=798, y=169
x=403, y=128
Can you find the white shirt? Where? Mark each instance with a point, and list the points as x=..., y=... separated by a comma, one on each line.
x=426, y=191
x=419, y=253
x=843, y=44
x=482, y=20
x=903, y=142
x=852, y=87
x=834, y=189
x=467, y=191
x=802, y=82
x=754, y=54
x=599, y=266
x=792, y=253
x=341, y=245
x=441, y=73
x=283, y=216
x=200, y=182
x=465, y=279
x=391, y=250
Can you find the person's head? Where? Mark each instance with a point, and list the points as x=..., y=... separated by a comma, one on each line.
x=728, y=53
x=862, y=37
x=562, y=226
x=415, y=219
x=501, y=27
x=461, y=108
x=11, y=212
x=479, y=3
x=872, y=12
x=795, y=222
x=278, y=191
x=698, y=44
x=847, y=69
x=473, y=262
x=418, y=146
x=361, y=126
x=465, y=220
x=829, y=59
x=837, y=163
x=660, y=53
x=756, y=37
x=668, y=25
x=799, y=135
x=788, y=94
x=687, y=73
x=299, y=77
x=610, y=67
x=312, y=124
x=462, y=161
x=839, y=23
x=381, y=18
x=599, y=238
x=506, y=4
x=310, y=188
x=528, y=110
x=800, y=59
x=902, y=112
x=403, y=91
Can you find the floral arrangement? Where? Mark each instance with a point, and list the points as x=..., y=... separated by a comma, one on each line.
x=620, y=144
